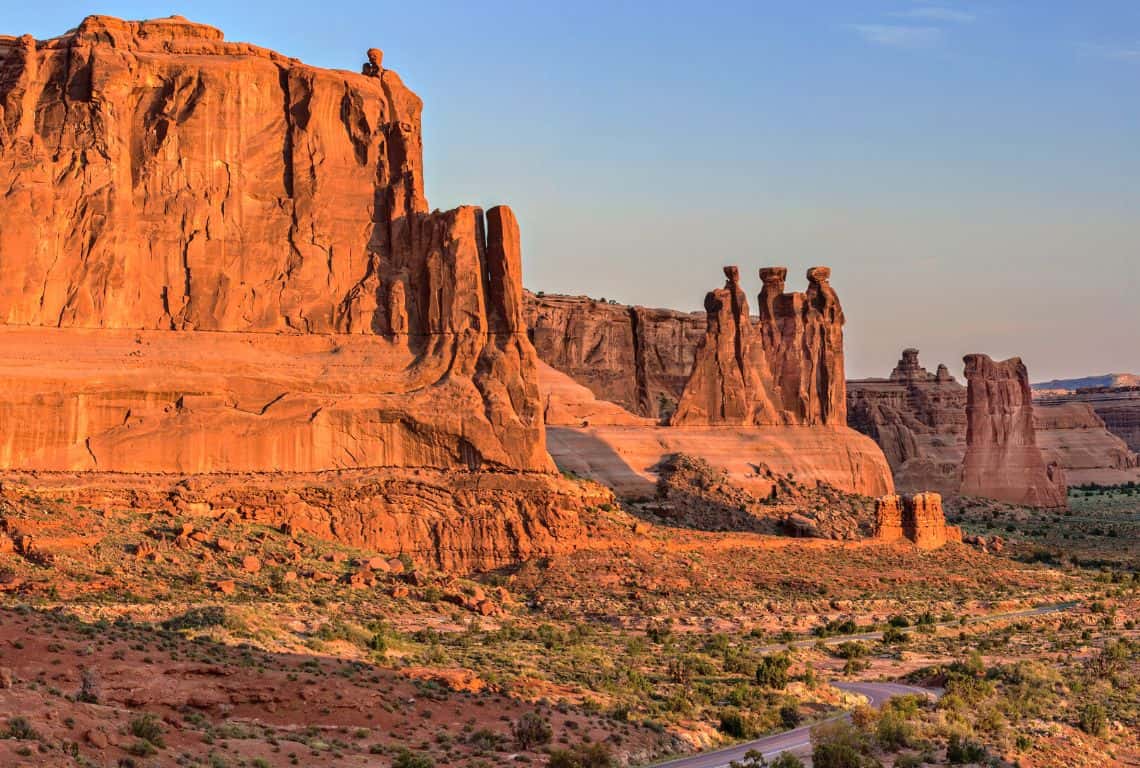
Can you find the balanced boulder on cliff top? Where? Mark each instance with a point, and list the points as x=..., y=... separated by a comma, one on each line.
x=1002, y=459
x=162, y=183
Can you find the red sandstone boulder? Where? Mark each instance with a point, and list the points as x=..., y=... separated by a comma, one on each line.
x=918, y=518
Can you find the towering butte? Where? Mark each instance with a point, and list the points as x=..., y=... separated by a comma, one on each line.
x=729, y=382
x=785, y=367
x=217, y=258
x=1002, y=458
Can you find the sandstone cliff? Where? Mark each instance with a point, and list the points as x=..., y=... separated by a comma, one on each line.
x=1118, y=407
x=162, y=185
x=1002, y=459
x=918, y=418
x=636, y=357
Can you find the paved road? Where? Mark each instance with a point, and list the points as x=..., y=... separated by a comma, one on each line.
x=837, y=639
x=797, y=740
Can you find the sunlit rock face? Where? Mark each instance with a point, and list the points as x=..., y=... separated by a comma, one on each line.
x=214, y=257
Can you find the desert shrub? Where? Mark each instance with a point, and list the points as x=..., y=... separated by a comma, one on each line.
x=147, y=728
x=531, y=730
x=960, y=751
x=772, y=671
x=850, y=649
x=893, y=732
x=89, y=689
x=790, y=716
x=406, y=758
x=737, y=724
x=1092, y=718
x=203, y=617
x=894, y=636
x=838, y=744
x=19, y=728
x=596, y=755
x=786, y=760
x=485, y=740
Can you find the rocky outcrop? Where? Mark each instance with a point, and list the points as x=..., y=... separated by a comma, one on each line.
x=457, y=521
x=643, y=358
x=163, y=185
x=918, y=519
x=730, y=381
x=1075, y=436
x=1002, y=459
x=636, y=357
x=1118, y=407
x=802, y=335
x=918, y=418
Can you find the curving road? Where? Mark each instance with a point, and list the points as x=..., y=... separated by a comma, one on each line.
x=797, y=740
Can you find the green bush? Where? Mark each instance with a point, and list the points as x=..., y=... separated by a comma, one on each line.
x=147, y=728
x=736, y=724
x=406, y=758
x=772, y=671
x=531, y=730
x=838, y=744
x=1092, y=719
x=960, y=751
x=596, y=755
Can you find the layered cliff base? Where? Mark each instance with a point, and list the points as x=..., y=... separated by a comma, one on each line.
x=456, y=521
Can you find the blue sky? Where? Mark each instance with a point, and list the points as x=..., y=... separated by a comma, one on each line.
x=970, y=171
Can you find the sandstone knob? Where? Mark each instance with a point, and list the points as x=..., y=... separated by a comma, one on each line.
x=819, y=274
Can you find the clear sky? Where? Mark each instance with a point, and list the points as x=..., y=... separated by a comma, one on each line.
x=970, y=171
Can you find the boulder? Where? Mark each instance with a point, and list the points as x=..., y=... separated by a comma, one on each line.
x=917, y=518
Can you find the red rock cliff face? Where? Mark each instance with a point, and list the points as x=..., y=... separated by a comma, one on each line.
x=637, y=357
x=1002, y=458
x=157, y=178
x=918, y=418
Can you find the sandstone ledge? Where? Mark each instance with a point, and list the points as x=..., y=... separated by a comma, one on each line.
x=456, y=521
